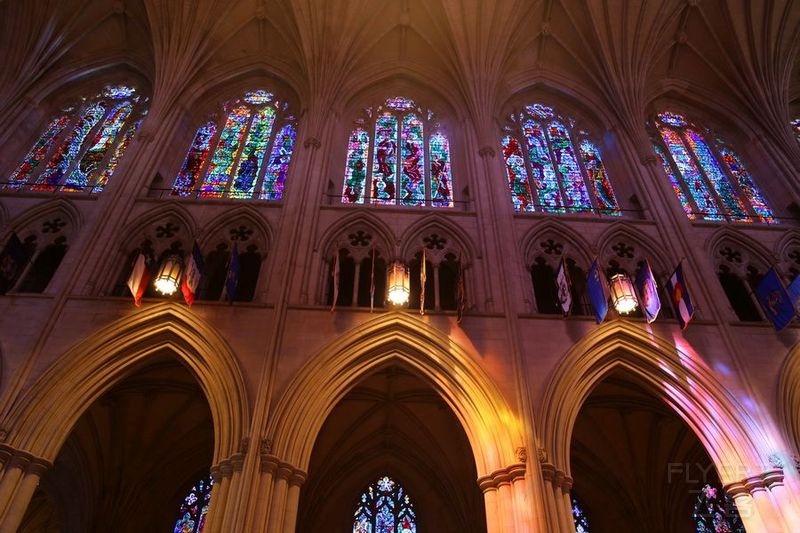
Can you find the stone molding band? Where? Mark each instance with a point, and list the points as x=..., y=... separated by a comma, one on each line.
x=29, y=463
x=760, y=482
x=503, y=476
x=282, y=470
x=558, y=478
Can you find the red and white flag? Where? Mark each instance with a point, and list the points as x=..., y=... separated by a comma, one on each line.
x=192, y=275
x=139, y=278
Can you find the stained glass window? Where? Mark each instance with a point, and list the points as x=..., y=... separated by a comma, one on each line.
x=385, y=507
x=707, y=175
x=567, y=174
x=388, y=165
x=243, y=153
x=579, y=517
x=796, y=128
x=82, y=146
x=193, y=511
x=715, y=511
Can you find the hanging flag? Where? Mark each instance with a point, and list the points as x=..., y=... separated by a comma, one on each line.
x=232, y=277
x=192, y=275
x=597, y=287
x=423, y=277
x=679, y=295
x=794, y=293
x=775, y=300
x=139, y=278
x=12, y=261
x=335, y=274
x=648, y=292
x=462, y=292
x=564, y=288
x=372, y=282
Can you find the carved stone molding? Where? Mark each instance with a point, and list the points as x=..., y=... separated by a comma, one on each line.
x=502, y=476
x=486, y=151
x=25, y=461
x=312, y=141
x=751, y=485
x=282, y=470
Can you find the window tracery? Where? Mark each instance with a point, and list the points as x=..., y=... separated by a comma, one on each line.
x=244, y=153
x=82, y=146
x=443, y=268
x=250, y=245
x=385, y=507
x=544, y=263
x=554, y=167
x=45, y=244
x=362, y=263
x=739, y=274
x=389, y=167
x=707, y=174
x=579, y=517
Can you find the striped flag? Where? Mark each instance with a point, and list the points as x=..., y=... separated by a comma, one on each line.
x=372, y=282
x=563, y=287
x=192, y=275
x=139, y=278
x=679, y=294
x=423, y=277
x=335, y=277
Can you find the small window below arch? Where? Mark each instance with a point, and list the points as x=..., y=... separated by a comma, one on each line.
x=389, y=167
x=739, y=279
x=82, y=146
x=194, y=508
x=44, y=267
x=385, y=507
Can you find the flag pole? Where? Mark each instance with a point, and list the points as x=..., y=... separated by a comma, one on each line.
x=372, y=282
x=423, y=279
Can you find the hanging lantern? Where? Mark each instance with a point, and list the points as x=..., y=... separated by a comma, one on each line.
x=623, y=295
x=168, y=276
x=399, y=285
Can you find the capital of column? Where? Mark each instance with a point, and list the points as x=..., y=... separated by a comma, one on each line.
x=28, y=462
x=312, y=142
x=753, y=484
x=502, y=476
x=486, y=151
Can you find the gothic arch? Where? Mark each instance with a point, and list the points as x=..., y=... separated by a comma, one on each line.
x=42, y=419
x=239, y=214
x=789, y=399
x=684, y=383
x=620, y=230
x=577, y=243
x=441, y=224
x=60, y=206
x=132, y=230
x=326, y=242
x=493, y=429
x=758, y=252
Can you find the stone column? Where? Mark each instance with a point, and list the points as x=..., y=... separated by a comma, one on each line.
x=22, y=496
x=501, y=499
x=277, y=508
x=296, y=480
x=264, y=497
x=759, y=510
x=232, y=501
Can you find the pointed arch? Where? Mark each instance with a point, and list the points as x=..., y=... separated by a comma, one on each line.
x=437, y=222
x=326, y=242
x=621, y=230
x=493, y=429
x=760, y=253
x=237, y=214
x=678, y=378
x=132, y=231
x=577, y=243
x=42, y=419
x=61, y=206
x=788, y=399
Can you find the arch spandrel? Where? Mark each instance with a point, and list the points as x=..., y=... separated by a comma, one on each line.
x=493, y=429
x=732, y=438
x=42, y=419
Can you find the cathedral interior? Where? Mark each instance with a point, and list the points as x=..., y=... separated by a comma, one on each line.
x=508, y=266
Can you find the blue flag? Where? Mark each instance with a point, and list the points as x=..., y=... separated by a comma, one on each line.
x=648, y=292
x=12, y=261
x=774, y=300
x=794, y=293
x=597, y=287
x=232, y=277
